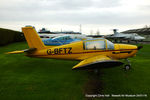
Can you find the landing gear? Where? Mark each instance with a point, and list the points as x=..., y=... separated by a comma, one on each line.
x=127, y=66
x=96, y=71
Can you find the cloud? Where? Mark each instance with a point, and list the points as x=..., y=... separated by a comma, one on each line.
x=72, y=12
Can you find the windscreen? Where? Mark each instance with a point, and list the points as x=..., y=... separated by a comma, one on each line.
x=110, y=45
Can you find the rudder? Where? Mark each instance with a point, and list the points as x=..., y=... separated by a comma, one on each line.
x=32, y=38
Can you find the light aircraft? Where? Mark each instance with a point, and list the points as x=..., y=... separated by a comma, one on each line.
x=122, y=36
x=60, y=40
x=93, y=53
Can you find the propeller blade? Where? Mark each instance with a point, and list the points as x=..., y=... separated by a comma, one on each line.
x=140, y=47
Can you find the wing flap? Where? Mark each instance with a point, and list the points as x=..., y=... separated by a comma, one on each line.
x=97, y=61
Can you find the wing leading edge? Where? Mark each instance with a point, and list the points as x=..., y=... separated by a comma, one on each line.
x=97, y=61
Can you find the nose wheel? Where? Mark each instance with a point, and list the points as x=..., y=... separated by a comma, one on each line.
x=127, y=66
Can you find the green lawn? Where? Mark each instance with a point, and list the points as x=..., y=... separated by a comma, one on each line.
x=24, y=78
x=135, y=81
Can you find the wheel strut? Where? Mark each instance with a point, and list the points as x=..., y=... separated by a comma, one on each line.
x=127, y=66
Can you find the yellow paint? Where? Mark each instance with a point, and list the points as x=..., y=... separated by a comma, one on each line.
x=15, y=52
x=91, y=60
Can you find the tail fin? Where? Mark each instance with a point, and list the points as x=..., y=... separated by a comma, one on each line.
x=32, y=38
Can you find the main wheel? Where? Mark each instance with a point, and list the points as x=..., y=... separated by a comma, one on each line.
x=127, y=67
x=96, y=71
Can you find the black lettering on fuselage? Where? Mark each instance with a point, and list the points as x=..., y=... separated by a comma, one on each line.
x=56, y=51
x=70, y=50
x=65, y=50
x=49, y=52
x=59, y=51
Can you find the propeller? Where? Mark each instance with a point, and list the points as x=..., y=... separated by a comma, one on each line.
x=140, y=47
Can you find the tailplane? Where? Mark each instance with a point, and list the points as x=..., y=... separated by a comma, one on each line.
x=30, y=50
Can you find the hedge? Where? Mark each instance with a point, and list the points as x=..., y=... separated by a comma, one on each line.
x=8, y=36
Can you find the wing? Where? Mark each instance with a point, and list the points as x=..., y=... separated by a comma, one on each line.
x=97, y=61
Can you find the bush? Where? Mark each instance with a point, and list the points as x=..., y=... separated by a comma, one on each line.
x=9, y=36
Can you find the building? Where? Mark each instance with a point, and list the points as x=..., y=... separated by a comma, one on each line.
x=43, y=30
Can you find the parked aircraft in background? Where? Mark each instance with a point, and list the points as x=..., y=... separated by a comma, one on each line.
x=135, y=37
x=120, y=36
x=93, y=53
x=44, y=30
x=60, y=40
x=73, y=36
x=47, y=36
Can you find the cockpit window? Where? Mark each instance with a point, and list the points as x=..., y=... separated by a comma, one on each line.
x=95, y=45
x=110, y=45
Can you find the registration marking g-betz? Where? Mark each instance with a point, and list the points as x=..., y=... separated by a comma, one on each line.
x=59, y=51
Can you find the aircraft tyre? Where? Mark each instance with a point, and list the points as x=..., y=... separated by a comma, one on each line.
x=127, y=67
x=96, y=71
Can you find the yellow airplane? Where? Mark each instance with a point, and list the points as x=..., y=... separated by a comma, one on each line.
x=93, y=53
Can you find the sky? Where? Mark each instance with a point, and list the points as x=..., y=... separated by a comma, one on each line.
x=68, y=15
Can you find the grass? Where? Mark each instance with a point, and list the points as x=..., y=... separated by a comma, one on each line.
x=24, y=78
x=135, y=81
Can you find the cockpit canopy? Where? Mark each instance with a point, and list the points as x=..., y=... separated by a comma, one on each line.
x=62, y=38
x=98, y=44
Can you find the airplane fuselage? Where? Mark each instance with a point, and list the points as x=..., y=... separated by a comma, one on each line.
x=77, y=51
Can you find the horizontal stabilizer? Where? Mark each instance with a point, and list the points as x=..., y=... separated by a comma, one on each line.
x=22, y=51
x=15, y=52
